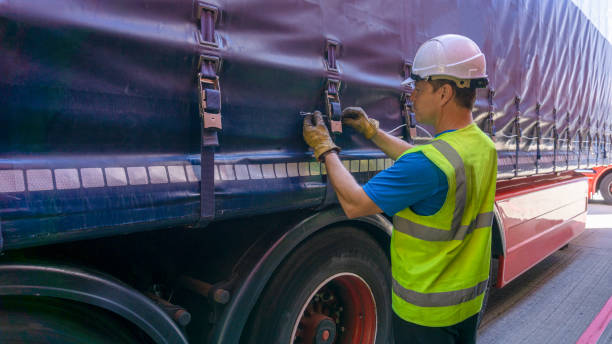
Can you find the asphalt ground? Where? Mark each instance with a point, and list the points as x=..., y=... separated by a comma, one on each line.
x=558, y=299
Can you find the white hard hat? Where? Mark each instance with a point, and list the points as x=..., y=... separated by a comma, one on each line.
x=452, y=57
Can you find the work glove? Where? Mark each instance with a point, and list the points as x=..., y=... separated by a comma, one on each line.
x=316, y=135
x=358, y=119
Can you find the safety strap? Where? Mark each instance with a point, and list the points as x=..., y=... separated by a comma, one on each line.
x=210, y=114
x=207, y=191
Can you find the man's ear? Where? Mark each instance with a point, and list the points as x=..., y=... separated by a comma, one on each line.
x=446, y=94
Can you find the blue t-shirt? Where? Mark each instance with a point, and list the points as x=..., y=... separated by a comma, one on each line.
x=413, y=181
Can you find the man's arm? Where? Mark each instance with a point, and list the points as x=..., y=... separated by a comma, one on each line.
x=357, y=118
x=354, y=201
x=391, y=145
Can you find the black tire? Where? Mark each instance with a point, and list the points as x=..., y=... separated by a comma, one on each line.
x=604, y=188
x=492, y=280
x=343, y=251
x=30, y=319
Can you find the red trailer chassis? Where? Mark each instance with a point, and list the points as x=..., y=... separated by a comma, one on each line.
x=534, y=223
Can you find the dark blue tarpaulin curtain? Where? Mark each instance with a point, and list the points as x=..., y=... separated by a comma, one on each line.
x=112, y=84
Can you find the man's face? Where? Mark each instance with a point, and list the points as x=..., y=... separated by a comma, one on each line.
x=425, y=103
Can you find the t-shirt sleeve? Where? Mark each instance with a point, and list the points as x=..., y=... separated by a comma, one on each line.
x=411, y=179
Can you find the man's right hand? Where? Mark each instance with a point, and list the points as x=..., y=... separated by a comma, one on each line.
x=316, y=135
x=358, y=119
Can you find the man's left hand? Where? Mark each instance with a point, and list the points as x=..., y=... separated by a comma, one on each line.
x=359, y=120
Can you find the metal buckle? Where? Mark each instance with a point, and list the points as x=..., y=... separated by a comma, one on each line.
x=207, y=23
x=210, y=120
x=336, y=127
x=409, y=117
x=332, y=48
x=332, y=96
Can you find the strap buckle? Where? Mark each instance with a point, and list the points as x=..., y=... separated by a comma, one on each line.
x=409, y=117
x=332, y=104
x=210, y=101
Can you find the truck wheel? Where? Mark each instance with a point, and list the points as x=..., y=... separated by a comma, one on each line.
x=334, y=288
x=31, y=319
x=605, y=188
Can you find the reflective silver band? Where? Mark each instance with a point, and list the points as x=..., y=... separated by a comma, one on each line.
x=457, y=231
x=435, y=234
x=461, y=188
x=443, y=299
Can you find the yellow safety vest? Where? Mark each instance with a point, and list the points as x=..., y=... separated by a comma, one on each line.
x=440, y=263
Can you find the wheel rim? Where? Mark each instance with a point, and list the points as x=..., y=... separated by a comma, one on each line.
x=341, y=310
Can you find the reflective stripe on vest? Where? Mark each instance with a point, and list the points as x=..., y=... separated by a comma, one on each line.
x=457, y=231
x=461, y=188
x=442, y=299
x=427, y=233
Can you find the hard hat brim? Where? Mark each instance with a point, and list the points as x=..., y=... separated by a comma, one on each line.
x=408, y=82
x=471, y=83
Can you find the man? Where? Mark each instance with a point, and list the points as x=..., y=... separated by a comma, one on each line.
x=440, y=195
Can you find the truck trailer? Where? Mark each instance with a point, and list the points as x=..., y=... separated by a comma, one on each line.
x=155, y=186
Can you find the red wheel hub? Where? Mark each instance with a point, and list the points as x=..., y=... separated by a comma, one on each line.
x=342, y=310
x=318, y=328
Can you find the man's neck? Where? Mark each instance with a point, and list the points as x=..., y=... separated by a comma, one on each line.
x=453, y=119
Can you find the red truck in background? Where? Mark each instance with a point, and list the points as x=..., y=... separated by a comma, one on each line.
x=153, y=174
x=600, y=180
